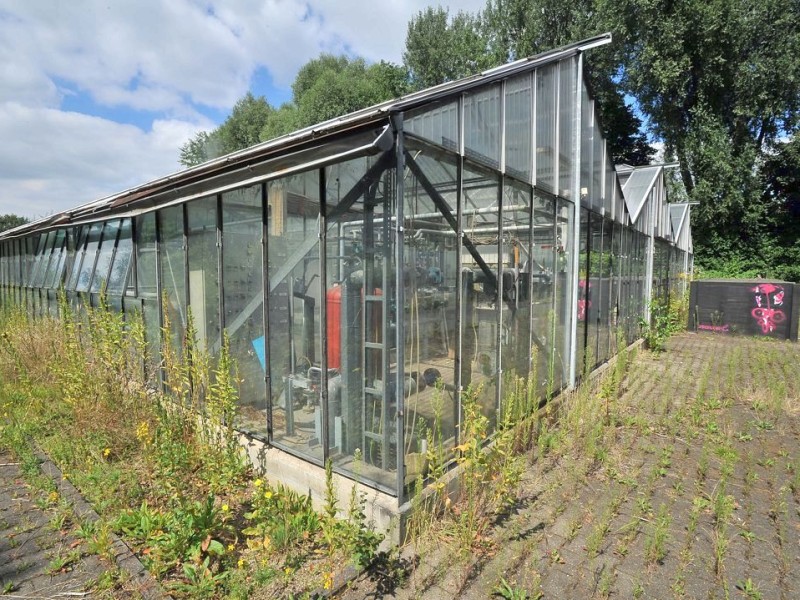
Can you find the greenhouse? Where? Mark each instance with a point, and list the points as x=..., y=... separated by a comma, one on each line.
x=371, y=269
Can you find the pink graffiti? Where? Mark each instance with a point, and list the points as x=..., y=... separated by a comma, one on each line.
x=767, y=296
x=584, y=304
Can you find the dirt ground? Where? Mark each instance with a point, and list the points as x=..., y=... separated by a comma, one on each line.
x=693, y=491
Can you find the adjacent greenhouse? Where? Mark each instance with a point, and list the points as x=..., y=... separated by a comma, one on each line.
x=370, y=269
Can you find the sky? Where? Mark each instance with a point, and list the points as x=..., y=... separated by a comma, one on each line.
x=98, y=96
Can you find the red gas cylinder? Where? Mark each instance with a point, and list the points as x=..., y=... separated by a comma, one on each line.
x=334, y=317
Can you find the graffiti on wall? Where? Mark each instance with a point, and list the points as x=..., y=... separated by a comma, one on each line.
x=584, y=301
x=767, y=312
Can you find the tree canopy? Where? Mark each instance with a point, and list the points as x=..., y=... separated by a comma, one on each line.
x=10, y=221
x=324, y=88
x=720, y=84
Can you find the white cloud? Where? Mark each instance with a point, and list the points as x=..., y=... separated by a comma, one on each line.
x=171, y=59
x=53, y=160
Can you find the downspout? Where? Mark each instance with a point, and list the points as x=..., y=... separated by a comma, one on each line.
x=576, y=229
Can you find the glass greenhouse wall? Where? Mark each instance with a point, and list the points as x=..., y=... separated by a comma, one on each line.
x=370, y=270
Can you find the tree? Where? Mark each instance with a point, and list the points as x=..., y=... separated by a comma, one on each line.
x=243, y=127
x=781, y=198
x=324, y=88
x=202, y=147
x=331, y=86
x=720, y=83
x=440, y=49
x=10, y=221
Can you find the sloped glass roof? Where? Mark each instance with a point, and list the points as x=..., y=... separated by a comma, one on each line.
x=637, y=187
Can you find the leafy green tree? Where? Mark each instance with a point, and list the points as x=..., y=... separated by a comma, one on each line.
x=440, y=48
x=240, y=130
x=243, y=127
x=324, y=88
x=10, y=221
x=331, y=86
x=202, y=147
x=720, y=83
x=781, y=198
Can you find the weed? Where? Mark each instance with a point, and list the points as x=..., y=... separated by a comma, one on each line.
x=763, y=424
x=605, y=583
x=749, y=589
x=655, y=549
x=505, y=590
x=748, y=535
x=63, y=562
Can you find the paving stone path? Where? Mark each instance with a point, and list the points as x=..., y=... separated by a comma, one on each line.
x=696, y=496
x=32, y=546
x=40, y=556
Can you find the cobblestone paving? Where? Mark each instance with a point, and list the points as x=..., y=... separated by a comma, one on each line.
x=40, y=555
x=37, y=558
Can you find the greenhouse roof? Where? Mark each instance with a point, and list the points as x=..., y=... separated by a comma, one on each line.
x=637, y=188
x=166, y=189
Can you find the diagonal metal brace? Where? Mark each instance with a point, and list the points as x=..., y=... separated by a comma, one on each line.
x=441, y=204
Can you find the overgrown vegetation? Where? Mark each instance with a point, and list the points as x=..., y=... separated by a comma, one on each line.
x=153, y=448
x=667, y=316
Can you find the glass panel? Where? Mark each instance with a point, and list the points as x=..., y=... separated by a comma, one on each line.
x=118, y=278
x=52, y=277
x=542, y=271
x=361, y=390
x=595, y=291
x=430, y=276
x=294, y=313
x=602, y=203
x=518, y=347
x=201, y=244
x=146, y=266
x=482, y=126
x=104, y=257
x=604, y=297
x=566, y=128
x=243, y=302
x=43, y=259
x=80, y=250
x=519, y=127
x=173, y=270
x=151, y=313
x=438, y=124
x=587, y=147
x=615, y=319
x=89, y=255
x=479, y=255
x=546, y=127
x=31, y=245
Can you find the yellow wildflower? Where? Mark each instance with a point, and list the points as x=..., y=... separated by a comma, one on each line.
x=231, y=547
x=240, y=563
x=268, y=494
x=106, y=452
x=225, y=508
x=258, y=483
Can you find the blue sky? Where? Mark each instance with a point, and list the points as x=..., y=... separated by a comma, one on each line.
x=97, y=97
